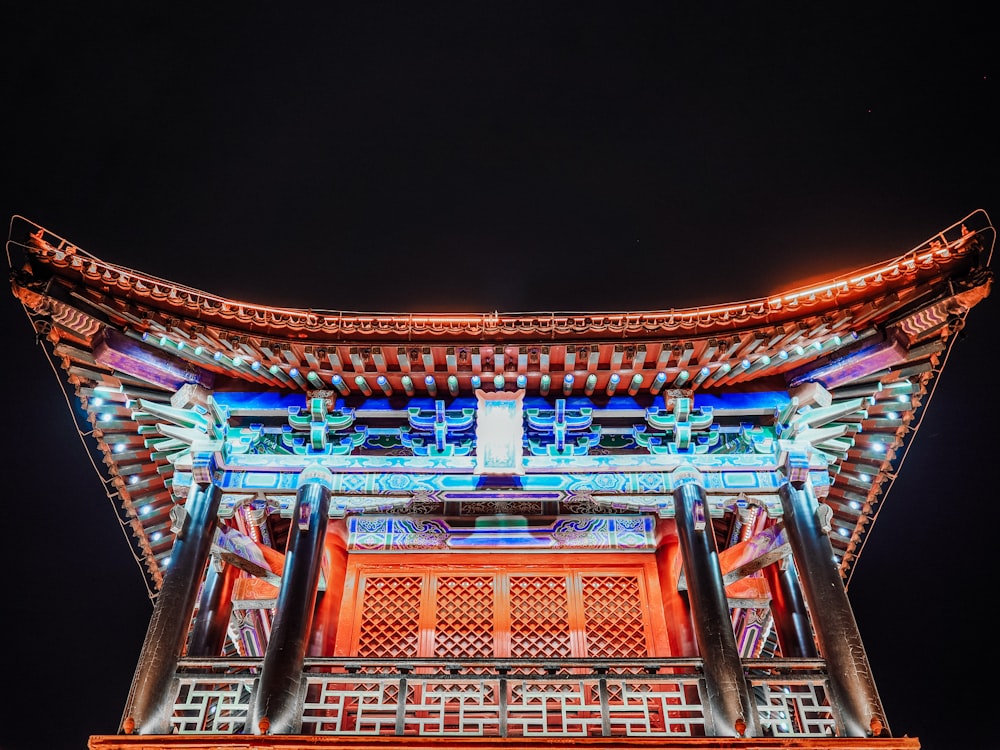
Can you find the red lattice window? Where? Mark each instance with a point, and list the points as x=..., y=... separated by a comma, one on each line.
x=494, y=612
x=390, y=616
x=540, y=616
x=613, y=611
x=463, y=616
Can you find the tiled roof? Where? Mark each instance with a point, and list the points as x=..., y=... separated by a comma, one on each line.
x=880, y=333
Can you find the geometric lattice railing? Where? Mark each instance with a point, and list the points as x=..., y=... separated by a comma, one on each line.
x=793, y=703
x=527, y=698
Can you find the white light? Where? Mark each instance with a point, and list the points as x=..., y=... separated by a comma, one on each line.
x=98, y=401
x=166, y=561
x=145, y=508
x=105, y=417
x=843, y=532
x=892, y=415
x=156, y=536
x=902, y=399
x=119, y=447
x=855, y=505
x=134, y=479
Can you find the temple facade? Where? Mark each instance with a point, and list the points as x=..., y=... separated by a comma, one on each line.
x=405, y=530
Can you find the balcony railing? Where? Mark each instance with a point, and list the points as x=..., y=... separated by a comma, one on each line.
x=527, y=698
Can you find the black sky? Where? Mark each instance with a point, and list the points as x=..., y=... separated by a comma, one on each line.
x=502, y=156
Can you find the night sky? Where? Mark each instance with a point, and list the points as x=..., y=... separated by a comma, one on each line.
x=497, y=156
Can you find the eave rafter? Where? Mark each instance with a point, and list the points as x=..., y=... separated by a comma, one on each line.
x=134, y=346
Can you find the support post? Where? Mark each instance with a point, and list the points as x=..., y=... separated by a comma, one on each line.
x=324, y=635
x=211, y=625
x=676, y=606
x=728, y=698
x=154, y=686
x=788, y=608
x=851, y=684
x=278, y=697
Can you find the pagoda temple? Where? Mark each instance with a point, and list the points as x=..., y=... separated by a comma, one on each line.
x=601, y=529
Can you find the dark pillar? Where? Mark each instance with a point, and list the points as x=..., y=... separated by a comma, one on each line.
x=731, y=709
x=154, y=686
x=211, y=625
x=851, y=685
x=676, y=606
x=788, y=608
x=278, y=697
x=324, y=636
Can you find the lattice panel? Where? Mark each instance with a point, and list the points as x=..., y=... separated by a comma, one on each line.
x=208, y=706
x=464, y=616
x=539, y=617
x=554, y=709
x=613, y=615
x=390, y=617
x=794, y=709
x=455, y=708
x=493, y=706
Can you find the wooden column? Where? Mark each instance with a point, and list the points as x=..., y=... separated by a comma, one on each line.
x=277, y=707
x=211, y=625
x=852, y=687
x=788, y=608
x=154, y=687
x=324, y=635
x=728, y=700
x=676, y=607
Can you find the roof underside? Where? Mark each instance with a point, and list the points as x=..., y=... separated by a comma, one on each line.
x=881, y=333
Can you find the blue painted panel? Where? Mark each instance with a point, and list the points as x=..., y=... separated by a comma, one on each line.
x=258, y=400
x=763, y=400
